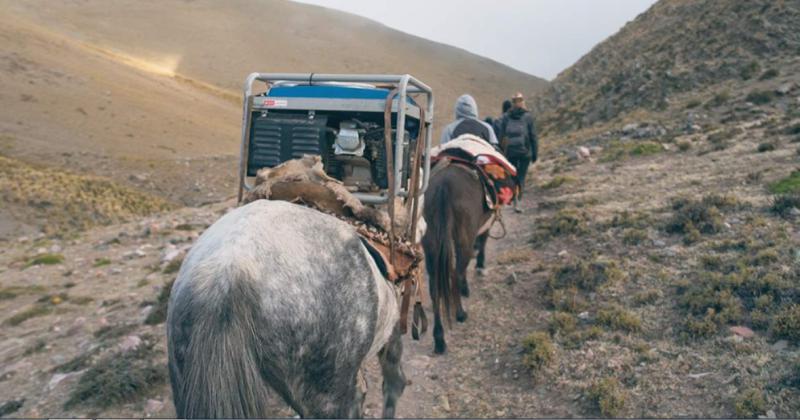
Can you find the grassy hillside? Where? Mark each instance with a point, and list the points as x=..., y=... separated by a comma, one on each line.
x=675, y=48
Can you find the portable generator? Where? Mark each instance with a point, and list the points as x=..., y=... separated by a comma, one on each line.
x=343, y=119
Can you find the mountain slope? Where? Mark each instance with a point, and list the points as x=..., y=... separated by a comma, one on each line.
x=148, y=93
x=220, y=43
x=675, y=47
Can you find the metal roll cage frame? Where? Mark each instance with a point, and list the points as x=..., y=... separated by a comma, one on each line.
x=405, y=85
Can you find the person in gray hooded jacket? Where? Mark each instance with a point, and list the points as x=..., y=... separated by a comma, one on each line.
x=467, y=122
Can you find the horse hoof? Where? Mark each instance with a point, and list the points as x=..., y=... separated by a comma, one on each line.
x=481, y=271
x=440, y=349
x=461, y=316
x=465, y=293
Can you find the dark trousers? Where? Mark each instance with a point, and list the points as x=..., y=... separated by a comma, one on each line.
x=521, y=163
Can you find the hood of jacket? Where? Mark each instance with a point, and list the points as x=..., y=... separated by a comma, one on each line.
x=466, y=107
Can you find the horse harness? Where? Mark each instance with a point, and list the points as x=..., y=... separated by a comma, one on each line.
x=492, y=201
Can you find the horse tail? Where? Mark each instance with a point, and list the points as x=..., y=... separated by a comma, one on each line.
x=215, y=371
x=444, y=258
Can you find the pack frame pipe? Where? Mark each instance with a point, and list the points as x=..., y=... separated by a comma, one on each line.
x=405, y=83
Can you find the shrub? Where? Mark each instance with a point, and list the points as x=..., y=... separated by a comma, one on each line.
x=749, y=70
x=566, y=222
x=684, y=145
x=618, y=318
x=100, y=262
x=788, y=185
x=563, y=322
x=45, y=259
x=566, y=299
x=647, y=297
x=118, y=378
x=769, y=74
x=556, y=182
x=514, y=256
x=760, y=97
x=619, y=150
x=765, y=256
x=783, y=204
x=703, y=327
x=585, y=275
x=607, y=396
x=633, y=236
x=792, y=129
x=158, y=313
x=787, y=323
x=538, y=351
x=719, y=99
x=690, y=214
x=574, y=339
x=766, y=147
x=173, y=266
x=626, y=219
x=36, y=310
x=750, y=403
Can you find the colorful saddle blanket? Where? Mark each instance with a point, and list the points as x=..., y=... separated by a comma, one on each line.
x=495, y=170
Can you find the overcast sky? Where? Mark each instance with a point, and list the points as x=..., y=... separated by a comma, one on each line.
x=541, y=37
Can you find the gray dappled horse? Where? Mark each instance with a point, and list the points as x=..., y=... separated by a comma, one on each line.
x=455, y=213
x=276, y=295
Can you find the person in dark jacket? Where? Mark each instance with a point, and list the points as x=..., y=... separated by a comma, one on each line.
x=518, y=140
x=498, y=121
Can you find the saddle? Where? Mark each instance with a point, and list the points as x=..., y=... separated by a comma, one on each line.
x=495, y=171
x=303, y=181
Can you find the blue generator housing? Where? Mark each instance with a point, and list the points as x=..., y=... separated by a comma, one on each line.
x=342, y=121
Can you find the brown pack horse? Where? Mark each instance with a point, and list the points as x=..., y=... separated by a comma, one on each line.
x=455, y=212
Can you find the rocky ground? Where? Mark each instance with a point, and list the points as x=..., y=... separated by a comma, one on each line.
x=594, y=303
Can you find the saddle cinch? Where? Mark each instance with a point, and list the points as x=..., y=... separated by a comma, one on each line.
x=495, y=171
x=303, y=181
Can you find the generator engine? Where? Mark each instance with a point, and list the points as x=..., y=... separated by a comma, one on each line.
x=344, y=124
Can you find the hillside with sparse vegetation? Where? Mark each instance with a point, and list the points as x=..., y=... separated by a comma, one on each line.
x=654, y=271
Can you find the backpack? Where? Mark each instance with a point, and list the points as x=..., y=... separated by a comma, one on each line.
x=474, y=127
x=516, y=136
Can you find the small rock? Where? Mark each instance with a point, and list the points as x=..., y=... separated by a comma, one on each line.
x=630, y=128
x=794, y=211
x=116, y=270
x=41, y=250
x=444, y=403
x=139, y=177
x=153, y=406
x=145, y=312
x=780, y=345
x=742, y=331
x=23, y=239
x=698, y=375
x=55, y=249
x=563, y=253
x=583, y=315
x=785, y=88
x=60, y=377
x=584, y=152
x=659, y=243
x=771, y=414
x=131, y=342
x=511, y=279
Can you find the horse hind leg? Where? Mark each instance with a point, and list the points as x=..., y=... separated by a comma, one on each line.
x=394, y=380
x=464, y=253
x=480, y=244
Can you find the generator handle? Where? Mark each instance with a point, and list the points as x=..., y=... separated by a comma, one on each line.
x=406, y=84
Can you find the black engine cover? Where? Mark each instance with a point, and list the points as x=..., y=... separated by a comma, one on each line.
x=276, y=138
